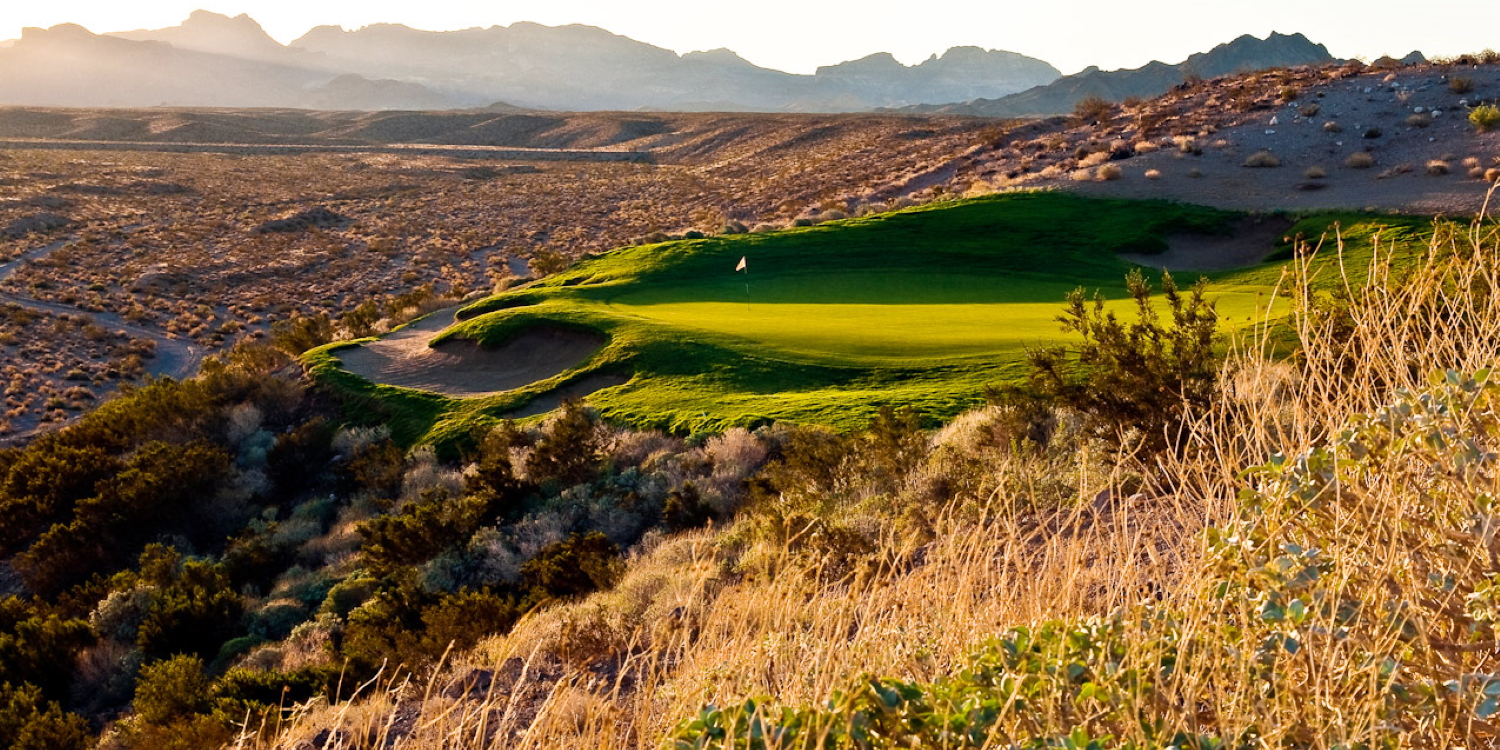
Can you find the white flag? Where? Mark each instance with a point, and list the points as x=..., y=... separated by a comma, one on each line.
x=742, y=266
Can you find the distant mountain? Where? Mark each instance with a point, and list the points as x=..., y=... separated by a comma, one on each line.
x=960, y=74
x=572, y=67
x=69, y=66
x=216, y=60
x=1244, y=54
x=209, y=32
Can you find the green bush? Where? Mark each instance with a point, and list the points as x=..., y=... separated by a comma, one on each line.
x=567, y=453
x=30, y=722
x=684, y=509
x=33, y=646
x=580, y=564
x=1485, y=117
x=171, y=689
x=1140, y=376
x=422, y=530
x=194, y=614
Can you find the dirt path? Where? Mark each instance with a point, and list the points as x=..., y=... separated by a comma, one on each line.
x=1253, y=238
x=465, y=369
x=174, y=357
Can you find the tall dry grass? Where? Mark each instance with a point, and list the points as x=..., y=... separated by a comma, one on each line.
x=1332, y=605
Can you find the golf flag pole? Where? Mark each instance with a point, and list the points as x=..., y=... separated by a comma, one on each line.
x=744, y=266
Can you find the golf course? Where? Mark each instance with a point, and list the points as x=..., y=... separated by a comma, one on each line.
x=924, y=307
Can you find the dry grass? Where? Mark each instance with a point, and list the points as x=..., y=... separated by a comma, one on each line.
x=1359, y=160
x=1262, y=159
x=713, y=616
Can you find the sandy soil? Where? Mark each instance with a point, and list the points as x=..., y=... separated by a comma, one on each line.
x=1254, y=238
x=1419, y=120
x=1384, y=100
x=463, y=368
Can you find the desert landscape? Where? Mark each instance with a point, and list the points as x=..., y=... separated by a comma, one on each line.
x=529, y=386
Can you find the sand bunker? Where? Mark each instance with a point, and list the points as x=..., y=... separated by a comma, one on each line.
x=1252, y=240
x=464, y=368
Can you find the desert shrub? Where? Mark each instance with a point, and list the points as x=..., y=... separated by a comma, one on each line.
x=1485, y=117
x=684, y=509
x=1332, y=126
x=577, y=565
x=347, y=595
x=1438, y=168
x=172, y=688
x=1139, y=376
x=192, y=612
x=1288, y=93
x=1153, y=174
x=1262, y=159
x=299, y=333
x=567, y=452
x=1092, y=109
x=1419, y=120
x=34, y=644
x=460, y=620
x=43, y=484
x=165, y=489
x=28, y=721
x=545, y=262
x=1372, y=133
x=1310, y=110
x=1359, y=160
x=1460, y=85
x=1315, y=173
x=172, y=701
x=374, y=467
x=422, y=530
x=1109, y=172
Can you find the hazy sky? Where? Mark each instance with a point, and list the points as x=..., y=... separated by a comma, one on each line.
x=799, y=35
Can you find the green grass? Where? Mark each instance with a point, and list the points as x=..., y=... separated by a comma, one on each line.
x=923, y=307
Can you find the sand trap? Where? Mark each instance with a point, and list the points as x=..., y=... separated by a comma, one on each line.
x=1253, y=239
x=464, y=368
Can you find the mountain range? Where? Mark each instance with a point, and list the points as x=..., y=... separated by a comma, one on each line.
x=1244, y=54
x=212, y=60
x=215, y=60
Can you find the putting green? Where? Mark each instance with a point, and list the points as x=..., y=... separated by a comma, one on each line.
x=923, y=307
